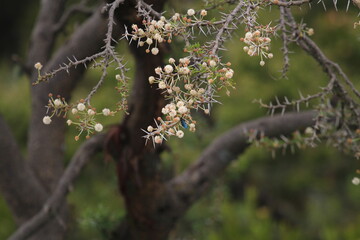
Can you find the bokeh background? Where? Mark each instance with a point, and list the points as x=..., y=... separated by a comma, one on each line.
x=303, y=195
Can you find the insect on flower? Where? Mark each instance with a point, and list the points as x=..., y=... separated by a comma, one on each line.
x=183, y=123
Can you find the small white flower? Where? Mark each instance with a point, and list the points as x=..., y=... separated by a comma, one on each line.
x=149, y=41
x=81, y=107
x=158, y=70
x=262, y=63
x=229, y=74
x=162, y=85
x=193, y=92
x=203, y=13
x=162, y=18
x=151, y=79
x=151, y=28
x=106, y=112
x=171, y=60
x=270, y=55
x=192, y=125
x=171, y=106
x=212, y=63
x=74, y=111
x=57, y=102
x=176, y=17
x=118, y=77
x=168, y=69
x=182, y=110
x=91, y=112
x=248, y=35
x=150, y=128
x=207, y=111
x=201, y=90
x=69, y=122
x=246, y=49
x=204, y=64
x=153, y=22
x=168, y=26
x=188, y=86
x=356, y=181
x=38, y=66
x=184, y=70
x=172, y=113
x=158, y=139
x=180, y=134
x=98, y=127
x=47, y=120
x=165, y=110
x=141, y=43
x=190, y=12
x=154, y=51
x=180, y=104
x=159, y=24
x=157, y=36
x=141, y=31
x=134, y=26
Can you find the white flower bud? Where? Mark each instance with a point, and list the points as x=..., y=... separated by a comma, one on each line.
x=74, y=111
x=180, y=104
x=180, y=134
x=270, y=55
x=47, y=120
x=262, y=63
x=212, y=63
x=203, y=13
x=248, y=35
x=229, y=74
x=150, y=128
x=168, y=69
x=106, y=112
x=172, y=113
x=176, y=17
x=171, y=60
x=151, y=79
x=182, y=110
x=155, y=51
x=162, y=85
x=57, y=102
x=98, y=127
x=149, y=41
x=38, y=66
x=91, y=112
x=69, y=122
x=356, y=181
x=158, y=139
x=158, y=70
x=81, y=107
x=165, y=110
x=190, y=12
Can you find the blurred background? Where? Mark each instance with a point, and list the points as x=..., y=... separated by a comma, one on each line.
x=303, y=195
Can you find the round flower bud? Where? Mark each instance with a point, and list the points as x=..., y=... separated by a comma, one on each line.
x=182, y=109
x=155, y=51
x=248, y=35
x=212, y=63
x=176, y=17
x=69, y=122
x=180, y=134
x=98, y=127
x=158, y=139
x=57, y=102
x=91, y=112
x=190, y=12
x=180, y=104
x=158, y=70
x=151, y=79
x=270, y=55
x=38, y=66
x=74, y=111
x=162, y=85
x=149, y=41
x=262, y=63
x=171, y=60
x=172, y=113
x=168, y=69
x=47, y=120
x=356, y=181
x=81, y=107
x=229, y=74
x=203, y=13
x=106, y=112
x=150, y=128
x=165, y=110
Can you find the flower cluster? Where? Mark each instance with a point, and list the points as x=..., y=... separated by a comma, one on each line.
x=188, y=84
x=55, y=107
x=155, y=32
x=258, y=42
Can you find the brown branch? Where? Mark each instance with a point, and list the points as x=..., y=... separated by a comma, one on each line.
x=21, y=190
x=196, y=180
x=56, y=200
x=290, y=3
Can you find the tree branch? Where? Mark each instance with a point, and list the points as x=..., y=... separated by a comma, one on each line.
x=56, y=200
x=196, y=180
x=21, y=190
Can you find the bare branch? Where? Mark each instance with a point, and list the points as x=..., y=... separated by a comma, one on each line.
x=56, y=200
x=196, y=180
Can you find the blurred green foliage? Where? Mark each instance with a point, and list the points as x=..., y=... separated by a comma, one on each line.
x=306, y=195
